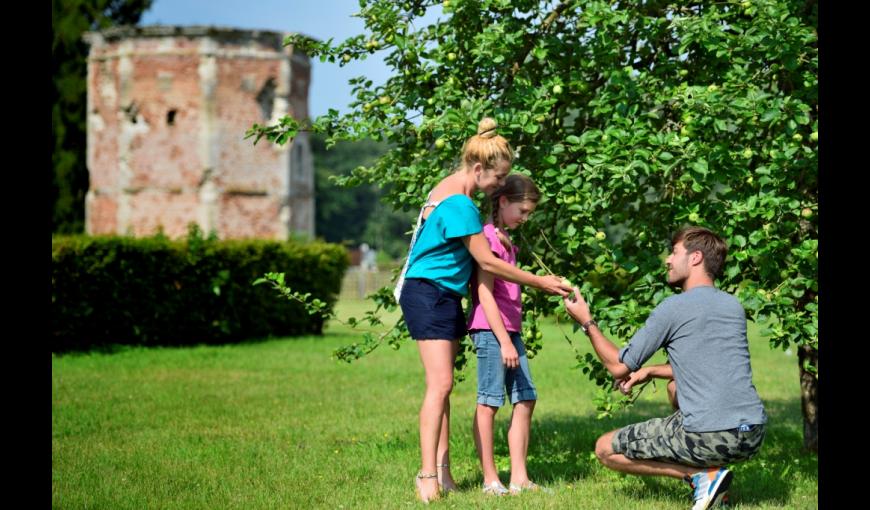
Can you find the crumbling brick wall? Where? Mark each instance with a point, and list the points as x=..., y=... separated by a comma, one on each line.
x=168, y=108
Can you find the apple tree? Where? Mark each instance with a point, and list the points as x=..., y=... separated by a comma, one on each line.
x=634, y=118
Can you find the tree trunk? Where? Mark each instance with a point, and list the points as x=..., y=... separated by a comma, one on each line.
x=809, y=397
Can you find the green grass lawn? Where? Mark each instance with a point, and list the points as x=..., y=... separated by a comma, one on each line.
x=277, y=424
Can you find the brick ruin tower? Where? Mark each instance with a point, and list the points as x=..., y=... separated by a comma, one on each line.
x=168, y=108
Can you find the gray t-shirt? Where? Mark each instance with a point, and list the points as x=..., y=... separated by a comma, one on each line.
x=703, y=331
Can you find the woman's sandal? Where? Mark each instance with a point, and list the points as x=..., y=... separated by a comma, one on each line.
x=445, y=488
x=417, y=486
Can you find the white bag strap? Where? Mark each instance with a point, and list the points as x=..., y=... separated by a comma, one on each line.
x=397, y=292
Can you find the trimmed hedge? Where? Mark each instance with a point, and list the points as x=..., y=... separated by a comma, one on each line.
x=154, y=291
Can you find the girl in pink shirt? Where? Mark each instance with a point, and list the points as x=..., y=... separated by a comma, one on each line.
x=495, y=325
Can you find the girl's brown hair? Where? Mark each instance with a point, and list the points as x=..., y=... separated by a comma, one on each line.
x=517, y=188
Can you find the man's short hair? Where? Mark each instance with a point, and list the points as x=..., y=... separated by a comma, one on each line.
x=709, y=244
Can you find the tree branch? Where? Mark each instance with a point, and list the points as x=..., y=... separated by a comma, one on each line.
x=530, y=40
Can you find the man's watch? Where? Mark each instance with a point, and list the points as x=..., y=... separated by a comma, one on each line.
x=585, y=325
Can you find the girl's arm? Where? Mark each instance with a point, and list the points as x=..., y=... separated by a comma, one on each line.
x=479, y=248
x=485, y=282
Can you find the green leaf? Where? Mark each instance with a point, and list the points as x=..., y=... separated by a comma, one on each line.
x=770, y=115
x=700, y=166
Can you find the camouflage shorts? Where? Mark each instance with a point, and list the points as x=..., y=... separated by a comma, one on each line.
x=664, y=439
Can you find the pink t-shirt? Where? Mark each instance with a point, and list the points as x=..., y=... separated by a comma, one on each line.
x=507, y=295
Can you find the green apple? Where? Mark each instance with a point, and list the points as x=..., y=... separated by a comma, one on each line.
x=384, y=99
x=440, y=143
x=557, y=89
x=451, y=56
x=806, y=212
x=600, y=235
x=797, y=137
x=814, y=136
x=694, y=217
x=747, y=153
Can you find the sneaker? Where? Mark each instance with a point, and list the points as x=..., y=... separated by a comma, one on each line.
x=710, y=487
x=495, y=489
x=528, y=486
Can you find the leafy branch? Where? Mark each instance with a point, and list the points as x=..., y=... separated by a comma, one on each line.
x=588, y=363
x=315, y=306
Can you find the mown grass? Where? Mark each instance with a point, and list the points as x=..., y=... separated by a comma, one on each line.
x=277, y=424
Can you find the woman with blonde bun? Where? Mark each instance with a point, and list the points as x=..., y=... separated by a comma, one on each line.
x=447, y=243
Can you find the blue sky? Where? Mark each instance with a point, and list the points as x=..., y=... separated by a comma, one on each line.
x=318, y=18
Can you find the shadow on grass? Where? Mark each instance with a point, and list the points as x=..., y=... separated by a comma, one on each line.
x=562, y=449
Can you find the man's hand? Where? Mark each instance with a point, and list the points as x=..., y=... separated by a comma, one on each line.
x=642, y=375
x=577, y=307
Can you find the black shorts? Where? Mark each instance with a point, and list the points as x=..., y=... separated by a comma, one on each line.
x=432, y=313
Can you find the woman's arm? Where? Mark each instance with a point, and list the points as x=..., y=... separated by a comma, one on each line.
x=479, y=248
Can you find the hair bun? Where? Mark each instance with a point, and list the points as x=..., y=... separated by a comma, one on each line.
x=486, y=127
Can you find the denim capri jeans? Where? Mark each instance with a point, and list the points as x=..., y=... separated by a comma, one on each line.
x=493, y=378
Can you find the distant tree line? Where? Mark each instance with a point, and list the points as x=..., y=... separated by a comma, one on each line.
x=357, y=214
